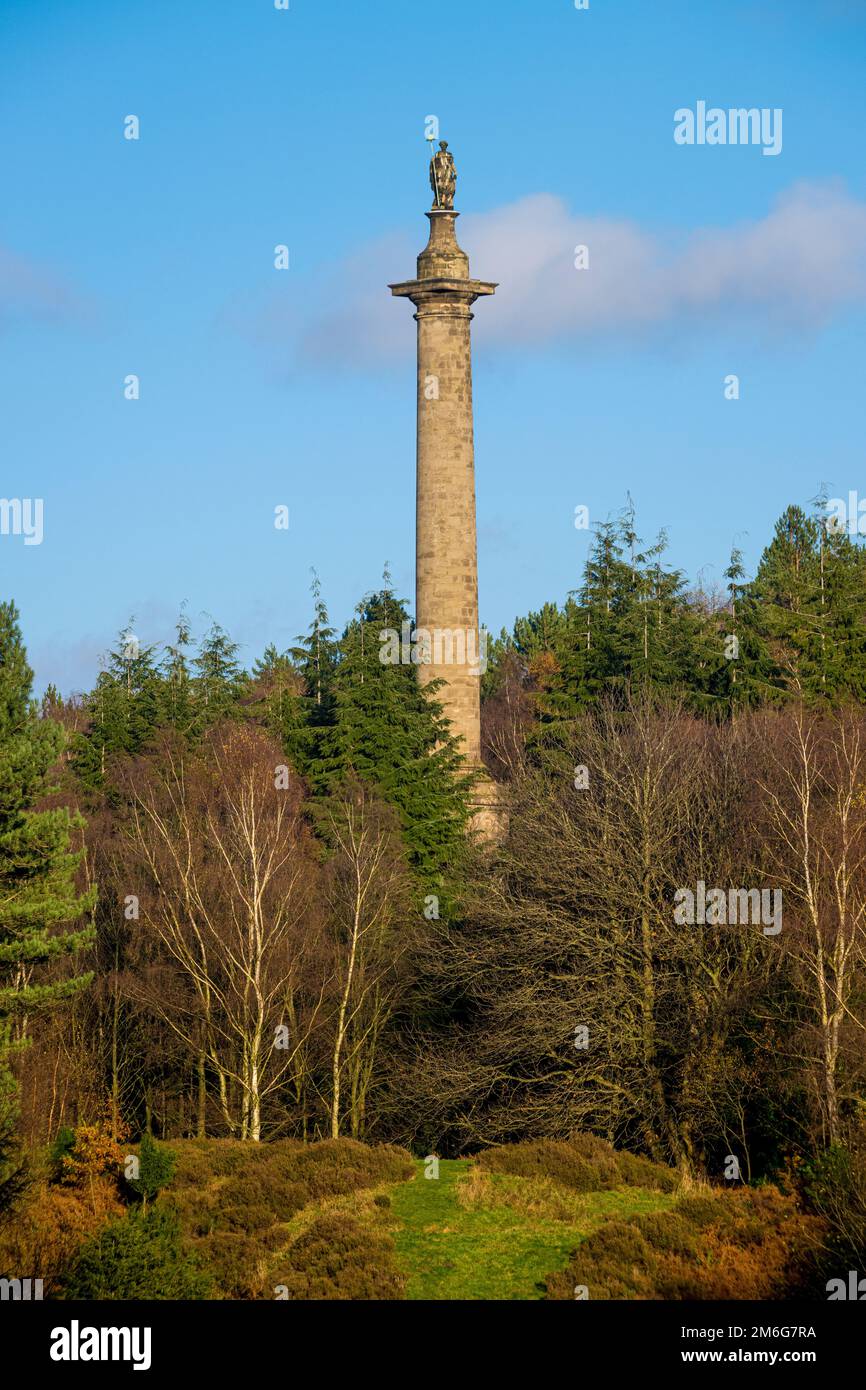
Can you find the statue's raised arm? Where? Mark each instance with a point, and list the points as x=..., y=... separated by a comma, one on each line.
x=443, y=177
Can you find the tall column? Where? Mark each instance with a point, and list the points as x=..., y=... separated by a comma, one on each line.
x=446, y=583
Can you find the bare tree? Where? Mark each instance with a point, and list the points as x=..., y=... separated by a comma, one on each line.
x=217, y=853
x=369, y=910
x=813, y=784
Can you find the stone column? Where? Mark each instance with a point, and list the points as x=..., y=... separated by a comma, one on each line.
x=446, y=575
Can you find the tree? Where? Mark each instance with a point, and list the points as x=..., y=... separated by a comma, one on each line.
x=369, y=902
x=39, y=901
x=140, y=1257
x=277, y=697
x=814, y=836
x=13, y=1168
x=219, y=679
x=316, y=659
x=124, y=709
x=577, y=1001
x=217, y=850
x=391, y=733
x=156, y=1165
x=178, y=705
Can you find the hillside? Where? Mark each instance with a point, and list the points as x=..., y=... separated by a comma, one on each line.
x=344, y=1220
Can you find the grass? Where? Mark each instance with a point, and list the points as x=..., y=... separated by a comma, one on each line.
x=458, y=1240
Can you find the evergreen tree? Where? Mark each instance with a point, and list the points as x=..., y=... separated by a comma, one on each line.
x=139, y=1257
x=178, y=705
x=13, y=1169
x=124, y=709
x=316, y=657
x=156, y=1165
x=38, y=897
x=219, y=680
x=392, y=734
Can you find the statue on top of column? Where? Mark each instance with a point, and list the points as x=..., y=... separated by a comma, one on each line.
x=443, y=177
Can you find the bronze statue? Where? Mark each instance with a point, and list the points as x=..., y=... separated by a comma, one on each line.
x=443, y=177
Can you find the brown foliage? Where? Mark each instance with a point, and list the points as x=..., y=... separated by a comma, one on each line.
x=52, y=1225
x=337, y=1258
x=582, y=1163
x=233, y=1199
x=752, y=1244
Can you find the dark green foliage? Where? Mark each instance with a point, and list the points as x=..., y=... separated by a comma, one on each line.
x=38, y=896
x=125, y=708
x=390, y=733
x=141, y=1257
x=136, y=697
x=800, y=626
x=13, y=1166
x=156, y=1165
x=337, y=1258
x=315, y=660
x=833, y=1185
x=63, y=1145
x=278, y=698
x=219, y=679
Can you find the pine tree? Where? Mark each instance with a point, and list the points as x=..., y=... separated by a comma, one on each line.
x=39, y=901
x=156, y=1164
x=178, y=705
x=393, y=735
x=124, y=709
x=315, y=657
x=219, y=680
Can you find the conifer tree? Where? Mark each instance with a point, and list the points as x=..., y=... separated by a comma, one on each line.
x=124, y=708
x=392, y=734
x=219, y=679
x=178, y=705
x=315, y=658
x=39, y=903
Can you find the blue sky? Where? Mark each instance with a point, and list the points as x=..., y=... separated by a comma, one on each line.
x=261, y=388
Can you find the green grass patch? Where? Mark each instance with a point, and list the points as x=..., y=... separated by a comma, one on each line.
x=495, y=1243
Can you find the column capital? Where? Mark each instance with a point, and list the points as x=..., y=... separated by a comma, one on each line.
x=442, y=295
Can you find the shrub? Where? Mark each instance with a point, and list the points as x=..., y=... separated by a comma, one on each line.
x=156, y=1165
x=637, y=1171
x=556, y=1159
x=60, y=1149
x=234, y=1199
x=141, y=1257
x=751, y=1244
x=52, y=1224
x=833, y=1185
x=93, y=1152
x=337, y=1258
x=236, y=1263
x=583, y=1163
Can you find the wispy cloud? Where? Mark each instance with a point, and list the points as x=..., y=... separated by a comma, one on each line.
x=791, y=271
x=29, y=292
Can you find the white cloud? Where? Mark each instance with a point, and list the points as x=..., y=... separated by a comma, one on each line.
x=792, y=270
